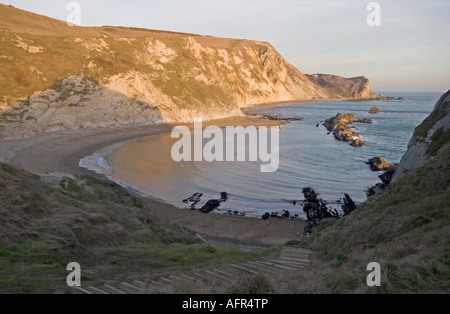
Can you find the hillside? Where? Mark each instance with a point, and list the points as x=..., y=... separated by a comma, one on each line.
x=57, y=77
x=405, y=228
x=428, y=139
x=48, y=221
x=338, y=86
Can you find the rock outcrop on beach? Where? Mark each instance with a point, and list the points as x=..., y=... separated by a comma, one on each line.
x=56, y=77
x=316, y=209
x=430, y=139
x=209, y=206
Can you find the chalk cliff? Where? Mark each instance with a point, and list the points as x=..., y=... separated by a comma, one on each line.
x=55, y=77
x=430, y=139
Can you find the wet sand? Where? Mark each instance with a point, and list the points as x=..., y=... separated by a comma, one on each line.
x=60, y=152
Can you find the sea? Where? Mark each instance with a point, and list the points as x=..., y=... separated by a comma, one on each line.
x=309, y=157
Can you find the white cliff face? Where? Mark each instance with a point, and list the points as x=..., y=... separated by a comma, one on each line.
x=121, y=81
x=418, y=152
x=75, y=103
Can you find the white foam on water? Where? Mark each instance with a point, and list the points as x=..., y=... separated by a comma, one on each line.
x=98, y=163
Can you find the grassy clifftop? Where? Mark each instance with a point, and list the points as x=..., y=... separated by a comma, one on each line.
x=175, y=76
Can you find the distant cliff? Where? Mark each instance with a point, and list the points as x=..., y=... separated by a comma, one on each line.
x=430, y=138
x=340, y=87
x=55, y=77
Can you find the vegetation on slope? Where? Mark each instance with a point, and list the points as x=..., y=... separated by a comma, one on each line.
x=187, y=71
x=440, y=111
x=47, y=222
x=406, y=229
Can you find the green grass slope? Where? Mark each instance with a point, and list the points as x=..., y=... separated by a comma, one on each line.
x=48, y=222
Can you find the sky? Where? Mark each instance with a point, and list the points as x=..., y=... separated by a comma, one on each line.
x=409, y=51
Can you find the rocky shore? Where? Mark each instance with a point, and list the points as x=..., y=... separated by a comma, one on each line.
x=340, y=127
x=379, y=164
x=389, y=98
x=316, y=209
x=272, y=117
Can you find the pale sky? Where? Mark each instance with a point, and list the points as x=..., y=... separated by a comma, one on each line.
x=410, y=51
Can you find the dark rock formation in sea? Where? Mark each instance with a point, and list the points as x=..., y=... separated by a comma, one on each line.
x=210, y=205
x=357, y=143
x=377, y=188
x=386, y=177
x=339, y=125
x=349, y=205
x=273, y=117
x=379, y=164
x=340, y=121
x=345, y=135
x=390, y=98
x=223, y=197
x=194, y=199
x=365, y=121
x=374, y=110
x=316, y=209
x=235, y=213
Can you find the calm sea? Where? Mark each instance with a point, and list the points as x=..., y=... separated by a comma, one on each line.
x=308, y=157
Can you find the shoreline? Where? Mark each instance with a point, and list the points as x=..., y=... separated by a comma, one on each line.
x=112, y=161
x=308, y=101
x=60, y=153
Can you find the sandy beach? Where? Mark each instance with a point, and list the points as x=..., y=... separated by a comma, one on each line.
x=60, y=152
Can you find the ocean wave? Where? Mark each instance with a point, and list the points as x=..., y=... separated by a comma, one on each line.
x=98, y=162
